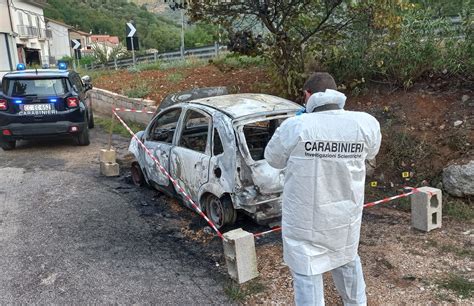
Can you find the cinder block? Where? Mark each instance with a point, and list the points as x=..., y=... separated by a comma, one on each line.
x=240, y=255
x=107, y=156
x=426, y=209
x=109, y=169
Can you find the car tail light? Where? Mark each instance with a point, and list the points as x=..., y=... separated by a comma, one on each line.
x=72, y=102
x=3, y=104
x=73, y=129
x=7, y=133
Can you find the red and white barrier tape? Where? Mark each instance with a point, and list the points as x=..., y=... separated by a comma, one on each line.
x=199, y=211
x=175, y=182
x=132, y=110
x=370, y=204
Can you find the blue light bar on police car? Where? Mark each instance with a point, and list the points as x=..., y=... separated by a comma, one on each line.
x=53, y=100
x=62, y=66
x=18, y=101
x=20, y=67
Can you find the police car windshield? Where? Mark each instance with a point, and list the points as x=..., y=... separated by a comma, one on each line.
x=35, y=87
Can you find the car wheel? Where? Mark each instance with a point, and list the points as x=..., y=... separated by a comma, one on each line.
x=137, y=174
x=8, y=145
x=83, y=137
x=91, y=119
x=220, y=211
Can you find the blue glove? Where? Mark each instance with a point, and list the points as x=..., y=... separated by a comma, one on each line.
x=301, y=111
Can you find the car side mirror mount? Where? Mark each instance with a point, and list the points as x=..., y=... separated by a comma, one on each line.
x=87, y=80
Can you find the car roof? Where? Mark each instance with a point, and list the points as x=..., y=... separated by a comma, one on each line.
x=242, y=105
x=40, y=73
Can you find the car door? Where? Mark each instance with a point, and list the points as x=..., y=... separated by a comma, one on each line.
x=191, y=156
x=159, y=140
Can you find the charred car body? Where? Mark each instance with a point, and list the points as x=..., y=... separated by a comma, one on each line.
x=214, y=147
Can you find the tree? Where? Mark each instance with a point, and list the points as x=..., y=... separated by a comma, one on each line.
x=104, y=53
x=292, y=27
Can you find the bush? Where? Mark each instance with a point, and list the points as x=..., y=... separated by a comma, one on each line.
x=420, y=44
x=234, y=61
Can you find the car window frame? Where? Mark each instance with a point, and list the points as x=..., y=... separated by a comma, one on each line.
x=151, y=126
x=208, y=150
x=76, y=80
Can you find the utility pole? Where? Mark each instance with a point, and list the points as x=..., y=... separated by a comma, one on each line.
x=182, y=33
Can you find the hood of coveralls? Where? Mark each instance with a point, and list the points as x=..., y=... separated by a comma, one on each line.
x=330, y=96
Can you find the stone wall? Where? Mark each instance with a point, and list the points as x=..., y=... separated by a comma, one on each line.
x=104, y=100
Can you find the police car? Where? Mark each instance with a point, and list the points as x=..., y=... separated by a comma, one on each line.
x=44, y=103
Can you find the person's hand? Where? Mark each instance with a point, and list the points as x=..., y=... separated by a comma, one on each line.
x=301, y=111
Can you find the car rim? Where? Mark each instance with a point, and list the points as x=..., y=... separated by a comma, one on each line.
x=216, y=212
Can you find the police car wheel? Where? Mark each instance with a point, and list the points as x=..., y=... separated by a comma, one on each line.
x=137, y=175
x=91, y=119
x=8, y=145
x=220, y=211
x=83, y=137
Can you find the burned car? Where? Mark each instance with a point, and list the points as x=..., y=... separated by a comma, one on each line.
x=214, y=147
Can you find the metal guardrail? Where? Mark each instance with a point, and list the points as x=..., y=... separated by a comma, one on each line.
x=201, y=53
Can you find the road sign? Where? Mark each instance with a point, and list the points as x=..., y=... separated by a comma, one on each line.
x=132, y=46
x=75, y=44
x=130, y=29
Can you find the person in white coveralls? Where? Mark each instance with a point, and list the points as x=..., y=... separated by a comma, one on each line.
x=324, y=152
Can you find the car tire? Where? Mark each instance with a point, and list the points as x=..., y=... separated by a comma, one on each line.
x=8, y=145
x=91, y=119
x=138, y=178
x=83, y=137
x=220, y=211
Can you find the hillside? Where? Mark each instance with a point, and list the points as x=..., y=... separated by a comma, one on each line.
x=110, y=17
x=159, y=8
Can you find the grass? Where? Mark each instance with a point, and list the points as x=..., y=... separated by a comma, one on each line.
x=105, y=124
x=149, y=66
x=188, y=62
x=458, y=209
x=238, y=293
x=451, y=248
x=459, y=285
x=175, y=77
x=140, y=91
x=232, y=61
x=460, y=252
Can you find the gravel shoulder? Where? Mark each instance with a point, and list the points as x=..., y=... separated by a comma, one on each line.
x=68, y=235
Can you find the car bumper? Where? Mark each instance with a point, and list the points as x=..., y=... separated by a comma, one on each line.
x=20, y=131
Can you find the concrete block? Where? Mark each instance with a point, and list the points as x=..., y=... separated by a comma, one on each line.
x=107, y=156
x=109, y=169
x=240, y=255
x=426, y=209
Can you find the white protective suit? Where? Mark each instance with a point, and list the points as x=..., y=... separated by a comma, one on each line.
x=324, y=154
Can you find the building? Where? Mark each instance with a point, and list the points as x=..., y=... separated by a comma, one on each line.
x=31, y=34
x=59, y=44
x=105, y=39
x=83, y=37
x=9, y=57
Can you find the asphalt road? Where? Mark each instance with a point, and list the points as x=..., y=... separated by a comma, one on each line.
x=68, y=235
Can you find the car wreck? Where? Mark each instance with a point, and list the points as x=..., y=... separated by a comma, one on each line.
x=214, y=147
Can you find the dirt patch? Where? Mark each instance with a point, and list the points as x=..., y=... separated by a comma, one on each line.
x=160, y=83
x=419, y=132
x=401, y=265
